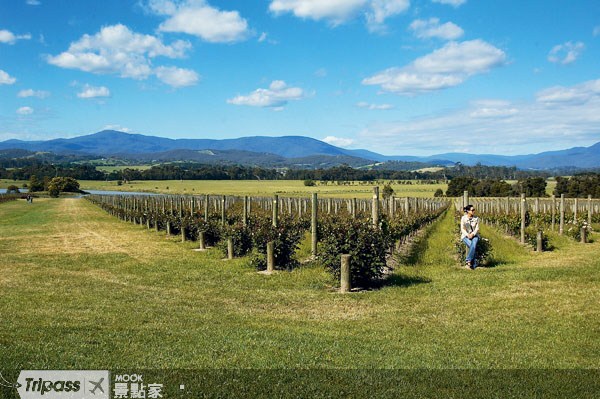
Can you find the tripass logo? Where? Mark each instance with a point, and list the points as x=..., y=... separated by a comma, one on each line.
x=58, y=384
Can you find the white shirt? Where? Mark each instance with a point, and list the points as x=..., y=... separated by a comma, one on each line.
x=469, y=225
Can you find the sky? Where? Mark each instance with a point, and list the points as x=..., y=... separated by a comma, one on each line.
x=398, y=77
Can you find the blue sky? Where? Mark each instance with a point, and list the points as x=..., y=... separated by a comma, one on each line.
x=405, y=77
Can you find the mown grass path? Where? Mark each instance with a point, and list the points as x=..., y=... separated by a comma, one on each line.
x=81, y=289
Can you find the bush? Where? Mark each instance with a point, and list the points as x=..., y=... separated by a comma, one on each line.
x=483, y=252
x=35, y=185
x=309, y=183
x=357, y=237
x=62, y=184
x=241, y=236
x=12, y=189
x=286, y=238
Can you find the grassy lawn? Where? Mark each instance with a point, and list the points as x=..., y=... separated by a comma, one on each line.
x=262, y=188
x=82, y=290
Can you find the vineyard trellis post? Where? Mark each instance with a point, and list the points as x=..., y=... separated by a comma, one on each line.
x=223, y=199
x=375, y=210
x=275, y=210
x=561, y=225
x=589, y=209
x=245, y=212
x=313, y=224
x=575, y=206
x=345, y=274
x=523, y=213
x=553, y=208
x=270, y=257
x=465, y=198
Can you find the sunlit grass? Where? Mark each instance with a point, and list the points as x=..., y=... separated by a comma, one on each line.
x=81, y=289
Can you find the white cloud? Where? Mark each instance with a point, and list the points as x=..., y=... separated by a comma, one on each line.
x=338, y=141
x=431, y=28
x=198, y=18
x=381, y=107
x=453, y=3
x=565, y=53
x=25, y=111
x=177, y=77
x=263, y=37
x=336, y=11
x=10, y=38
x=559, y=117
x=339, y=11
x=321, y=73
x=596, y=31
x=574, y=95
x=118, y=128
x=33, y=2
x=6, y=79
x=118, y=50
x=383, y=9
x=277, y=95
x=93, y=92
x=33, y=93
x=446, y=67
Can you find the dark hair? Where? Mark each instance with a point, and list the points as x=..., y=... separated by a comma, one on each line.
x=467, y=208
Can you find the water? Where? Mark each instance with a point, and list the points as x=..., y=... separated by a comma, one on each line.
x=21, y=190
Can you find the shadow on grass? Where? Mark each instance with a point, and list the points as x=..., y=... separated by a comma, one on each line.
x=402, y=280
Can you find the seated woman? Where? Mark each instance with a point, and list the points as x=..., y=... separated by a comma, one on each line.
x=469, y=234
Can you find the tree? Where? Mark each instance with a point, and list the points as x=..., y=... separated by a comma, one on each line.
x=35, y=184
x=62, y=184
x=531, y=187
x=438, y=193
x=12, y=189
x=388, y=191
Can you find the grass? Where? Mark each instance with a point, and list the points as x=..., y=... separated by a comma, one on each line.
x=293, y=188
x=82, y=290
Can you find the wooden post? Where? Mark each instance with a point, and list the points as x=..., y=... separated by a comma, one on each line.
x=553, y=210
x=575, y=206
x=523, y=212
x=230, y=248
x=182, y=232
x=313, y=224
x=354, y=206
x=345, y=274
x=245, y=212
x=223, y=199
x=539, y=240
x=202, y=241
x=206, y=205
x=270, y=257
x=375, y=209
x=168, y=228
x=275, y=210
x=561, y=224
x=589, y=209
x=583, y=233
x=465, y=198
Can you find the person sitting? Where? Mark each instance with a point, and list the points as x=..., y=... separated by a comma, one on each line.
x=469, y=234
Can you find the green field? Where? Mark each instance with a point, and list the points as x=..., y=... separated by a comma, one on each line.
x=292, y=188
x=78, y=283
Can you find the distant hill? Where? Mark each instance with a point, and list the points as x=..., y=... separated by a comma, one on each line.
x=284, y=151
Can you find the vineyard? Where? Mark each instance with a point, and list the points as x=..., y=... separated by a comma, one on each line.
x=531, y=220
x=270, y=230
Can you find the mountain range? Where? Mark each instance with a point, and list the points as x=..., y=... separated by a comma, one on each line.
x=282, y=151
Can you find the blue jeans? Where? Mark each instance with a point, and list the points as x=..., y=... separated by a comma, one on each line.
x=472, y=245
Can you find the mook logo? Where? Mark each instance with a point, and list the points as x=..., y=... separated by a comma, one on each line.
x=63, y=384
